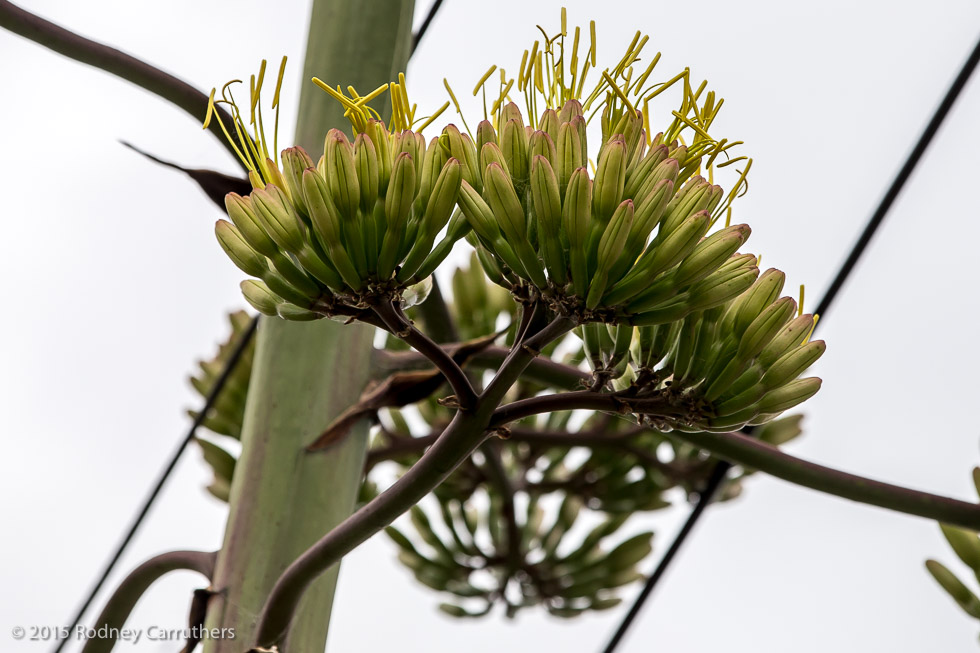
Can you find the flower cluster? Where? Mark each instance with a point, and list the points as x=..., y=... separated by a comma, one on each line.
x=627, y=244
x=361, y=223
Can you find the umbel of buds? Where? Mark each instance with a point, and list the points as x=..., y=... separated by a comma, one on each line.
x=626, y=246
x=732, y=365
x=628, y=243
x=719, y=369
x=359, y=224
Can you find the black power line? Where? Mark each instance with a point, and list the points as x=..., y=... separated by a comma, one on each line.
x=219, y=384
x=433, y=10
x=720, y=471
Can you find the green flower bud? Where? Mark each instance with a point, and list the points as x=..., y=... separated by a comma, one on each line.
x=366, y=164
x=278, y=217
x=295, y=161
x=569, y=153
x=398, y=206
x=461, y=148
x=763, y=293
x=636, y=287
x=478, y=213
x=485, y=133
x=437, y=212
x=955, y=588
x=247, y=259
x=790, y=336
x=610, y=248
x=279, y=285
x=378, y=134
x=637, y=176
x=765, y=327
x=492, y=154
x=435, y=159
x=293, y=313
x=258, y=295
x=442, y=200
x=748, y=397
x=711, y=253
x=610, y=179
x=541, y=144
x=547, y=210
x=243, y=216
x=693, y=197
x=513, y=145
x=649, y=210
x=575, y=220
x=327, y=226
x=793, y=363
x=341, y=174
x=789, y=395
x=965, y=544
x=571, y=109
x=502, y=198
x=549, y=124
x=722, y=286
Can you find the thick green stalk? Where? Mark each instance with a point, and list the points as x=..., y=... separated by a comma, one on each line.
x=282, y=497
x=305, y=374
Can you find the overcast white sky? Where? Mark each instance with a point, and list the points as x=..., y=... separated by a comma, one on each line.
x=116, y=286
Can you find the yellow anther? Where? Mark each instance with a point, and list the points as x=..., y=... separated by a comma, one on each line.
x=428, y=121
x=282, y=71
x=816, y=318
x=670, y=82
x=618, y=91
x=799, y=310
x=646, y=73
x=592, y=47
x=373, y=94
x=335, y=94
x=207, y=117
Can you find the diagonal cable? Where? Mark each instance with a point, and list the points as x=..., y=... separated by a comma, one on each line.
x=219, y=384
x=417, y=37
x=720, y=471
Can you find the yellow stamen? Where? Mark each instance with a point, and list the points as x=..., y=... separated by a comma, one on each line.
x=646, y=73
x=816, y=318
x=618, y=91
x=592, y=47
x=435, y=115
x=452, y=96
x=486, y=76
x=275, y=103
x=207, y=117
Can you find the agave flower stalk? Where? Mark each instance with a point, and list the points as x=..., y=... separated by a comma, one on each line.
x=304, y=375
